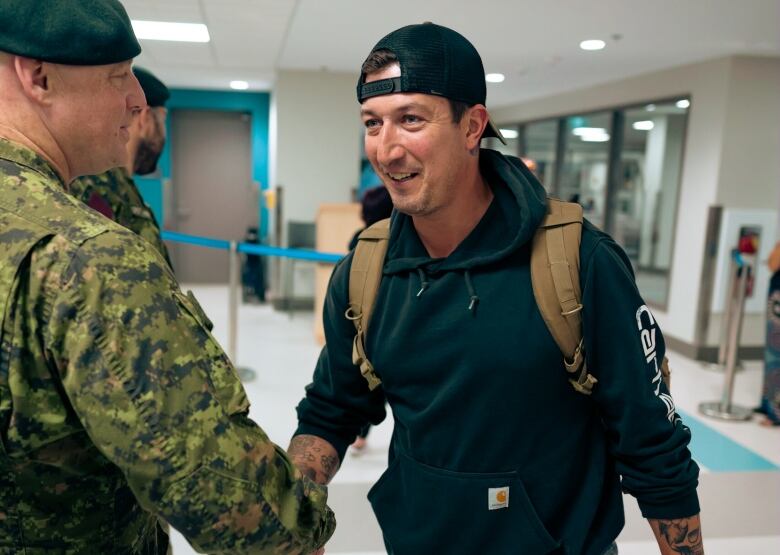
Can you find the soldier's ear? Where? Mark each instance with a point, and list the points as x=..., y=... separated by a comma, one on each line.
x=34, y=78
x=146, y=121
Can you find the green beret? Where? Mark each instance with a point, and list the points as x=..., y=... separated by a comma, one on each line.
x=72, y=32
x=157, y=94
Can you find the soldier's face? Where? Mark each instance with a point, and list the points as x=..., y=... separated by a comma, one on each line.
x=149, y=128
x=90, y=113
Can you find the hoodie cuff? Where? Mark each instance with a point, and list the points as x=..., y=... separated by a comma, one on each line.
x=338, y=442
x=682, y=507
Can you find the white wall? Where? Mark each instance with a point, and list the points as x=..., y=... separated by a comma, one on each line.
x=317, y=140
x=750, y=163
x=707, y=85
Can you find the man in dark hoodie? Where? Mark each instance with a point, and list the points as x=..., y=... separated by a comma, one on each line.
x=483, y=409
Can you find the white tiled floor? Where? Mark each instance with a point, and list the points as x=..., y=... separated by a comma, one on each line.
x=282, y=352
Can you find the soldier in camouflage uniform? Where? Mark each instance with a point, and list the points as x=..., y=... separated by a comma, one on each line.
x=114, y=193
x=117, y=406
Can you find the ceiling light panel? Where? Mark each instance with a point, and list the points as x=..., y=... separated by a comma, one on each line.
x=593, y=44
x=170, y=31
x=644, y=125
x=247, y=34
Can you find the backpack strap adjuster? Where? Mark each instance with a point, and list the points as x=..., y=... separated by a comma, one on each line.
x=584, y=381
x=360, y=359
x=364, y=277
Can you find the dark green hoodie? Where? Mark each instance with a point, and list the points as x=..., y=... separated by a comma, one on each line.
x=481, y=399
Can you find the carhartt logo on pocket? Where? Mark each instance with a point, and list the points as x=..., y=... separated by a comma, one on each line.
x=498, y=498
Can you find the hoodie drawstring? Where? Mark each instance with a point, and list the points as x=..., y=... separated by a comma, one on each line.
x=423, y=281
x=473, y=299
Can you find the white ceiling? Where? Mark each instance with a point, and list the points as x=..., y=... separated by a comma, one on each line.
x=534, y=42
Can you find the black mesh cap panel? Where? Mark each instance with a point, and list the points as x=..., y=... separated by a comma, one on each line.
x=436, y=60
x=433, y=60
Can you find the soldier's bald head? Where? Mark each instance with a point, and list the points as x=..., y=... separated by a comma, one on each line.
x=68, y=86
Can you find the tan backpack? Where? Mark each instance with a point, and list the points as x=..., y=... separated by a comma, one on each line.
x=555, y=276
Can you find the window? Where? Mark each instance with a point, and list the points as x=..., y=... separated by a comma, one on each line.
x=623, y=166
x=585, y=164
x=644, y=200
x=541, y=143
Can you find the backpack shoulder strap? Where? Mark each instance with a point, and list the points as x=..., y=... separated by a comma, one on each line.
x=365, y=274
x=555, y=275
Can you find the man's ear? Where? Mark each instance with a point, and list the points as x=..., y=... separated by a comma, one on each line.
x=476, y=120
x=143, y=121
x=34, y=77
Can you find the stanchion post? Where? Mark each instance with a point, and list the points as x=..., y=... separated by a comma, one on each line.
x=233, y=281
x=234, y=294
x=724, y=409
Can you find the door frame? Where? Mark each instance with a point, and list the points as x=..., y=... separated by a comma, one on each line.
x=156, y=188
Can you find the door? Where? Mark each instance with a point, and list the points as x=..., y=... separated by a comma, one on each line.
x=213, y=192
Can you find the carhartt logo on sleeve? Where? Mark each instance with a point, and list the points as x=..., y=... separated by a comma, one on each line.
x=498, y=498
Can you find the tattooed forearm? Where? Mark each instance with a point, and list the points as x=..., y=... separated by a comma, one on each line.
x=679, y=535
x=314, y=457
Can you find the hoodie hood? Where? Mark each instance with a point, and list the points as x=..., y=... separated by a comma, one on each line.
x=517, y=209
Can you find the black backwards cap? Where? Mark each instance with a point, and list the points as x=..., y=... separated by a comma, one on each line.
x=434, y=60
x=71, y=32
x=157, y=94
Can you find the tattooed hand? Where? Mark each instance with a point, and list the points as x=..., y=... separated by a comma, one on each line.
x=315, y=458
x=680, y=535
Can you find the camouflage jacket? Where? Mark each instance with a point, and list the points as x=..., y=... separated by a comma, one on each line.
x=115, y=195
x=117, y=406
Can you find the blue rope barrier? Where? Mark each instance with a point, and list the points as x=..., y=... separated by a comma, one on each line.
x=251, y=248
x=302, y=254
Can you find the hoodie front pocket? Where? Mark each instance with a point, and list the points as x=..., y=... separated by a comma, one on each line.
x=422, y=509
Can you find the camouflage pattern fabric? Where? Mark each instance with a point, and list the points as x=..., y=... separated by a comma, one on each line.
x=117, y=406
x=115, y=195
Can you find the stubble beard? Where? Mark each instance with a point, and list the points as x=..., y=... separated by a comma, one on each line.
x=146, y=158
x=415, y=205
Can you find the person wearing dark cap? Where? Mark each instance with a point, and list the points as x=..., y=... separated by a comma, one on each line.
x=493, y=450
x=114, y=193
x=118, y=409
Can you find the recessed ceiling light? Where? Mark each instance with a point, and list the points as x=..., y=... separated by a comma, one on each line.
x=595, y=138
x=580, y=131
x=495, y=77
x=593, y=44
x=165, y=30
x=684, y=103
x=650, y=107
x=645, y=125
x=591, y=134
x=239, y=85
x=510, y=133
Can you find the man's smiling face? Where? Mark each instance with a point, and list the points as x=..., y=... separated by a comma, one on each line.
x=414, y=146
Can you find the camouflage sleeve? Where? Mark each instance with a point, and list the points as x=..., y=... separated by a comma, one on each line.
x=160, y=399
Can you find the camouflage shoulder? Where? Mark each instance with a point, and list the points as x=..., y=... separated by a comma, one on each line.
x=120, y=254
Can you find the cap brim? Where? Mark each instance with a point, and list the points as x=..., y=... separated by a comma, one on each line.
x=492, y=130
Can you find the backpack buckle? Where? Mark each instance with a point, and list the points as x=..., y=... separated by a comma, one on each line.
x=360, y=359
x=577, y=358
x=585, y=384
